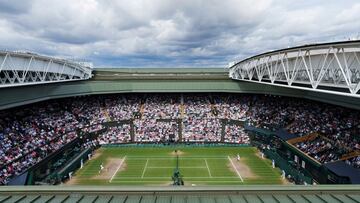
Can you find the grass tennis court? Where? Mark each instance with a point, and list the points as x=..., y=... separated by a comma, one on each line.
x=155, y=166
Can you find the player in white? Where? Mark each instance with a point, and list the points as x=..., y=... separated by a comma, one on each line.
x=101, y=167
x=283, y=174
x=238, y=157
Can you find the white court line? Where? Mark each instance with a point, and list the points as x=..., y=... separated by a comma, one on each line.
x=165, y=157
x=112, y=177
x=139, y=178
x=205, y=156
x=173, y=167
x=147, y=161
x=207, y=166
x=200, y=181
x=214, y=181
x=233, y=165
x=196, y=177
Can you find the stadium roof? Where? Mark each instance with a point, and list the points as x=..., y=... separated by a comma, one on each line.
x=313, y=45
x=165, y=70
x=144, y=80
x=251, y=194
x=23, y=69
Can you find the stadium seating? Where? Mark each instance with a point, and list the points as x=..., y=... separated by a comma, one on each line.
x=30, y=133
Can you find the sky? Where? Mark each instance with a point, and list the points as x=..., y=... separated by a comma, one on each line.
x=171, y=33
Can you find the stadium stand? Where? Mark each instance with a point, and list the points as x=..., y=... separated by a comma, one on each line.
x=28, y=134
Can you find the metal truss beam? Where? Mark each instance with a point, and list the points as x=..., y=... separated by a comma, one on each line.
x=17, y=68
x=331, y=67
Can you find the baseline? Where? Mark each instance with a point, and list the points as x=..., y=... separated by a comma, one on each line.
x=112, y=177
x=207, y=166
x=143, y=173
x=233, y=165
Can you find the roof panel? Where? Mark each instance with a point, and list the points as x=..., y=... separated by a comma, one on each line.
x=237, y=199
x=163, y=199
x=328, y=198
x=267, y=198
x=59, y=198
x=4, y=197
x=30, y=198
x=207, y=199
x=222, y=199
x=148, y=199
x=89, y=198
x=103, y=199
x=192, y=199
x=178, y=199
x=252, y=198
x=74, y=198
x=45, y=198
x=132, y=199
x=253, y=194
x=118, y=199
x=283, y=198
x=15, y=198
x=344, y=198
x=297, y=198
x=313, y=198
x=355, y=197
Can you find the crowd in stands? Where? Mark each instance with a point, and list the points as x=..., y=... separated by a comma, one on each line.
x=29, y=158
x=115, y=134
x=92, y=128
x=355, y=162
x=320, y=149
x=28, y=134
x=122, y=108
x=236, y=134
x=151, y=130
x=161, y=107
x=200, y=123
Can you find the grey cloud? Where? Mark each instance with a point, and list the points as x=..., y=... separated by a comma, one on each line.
x=162, y=32
x=14, y=7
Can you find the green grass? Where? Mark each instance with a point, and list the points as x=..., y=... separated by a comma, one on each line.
x=199, y=166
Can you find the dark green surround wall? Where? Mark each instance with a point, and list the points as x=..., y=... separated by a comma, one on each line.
x=11, y=97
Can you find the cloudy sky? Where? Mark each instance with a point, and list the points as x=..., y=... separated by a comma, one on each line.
x=171, y=33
